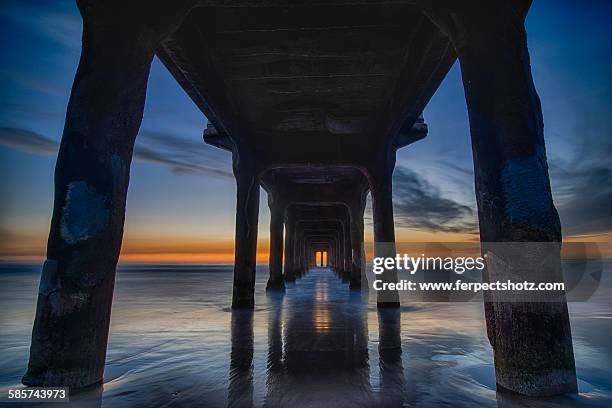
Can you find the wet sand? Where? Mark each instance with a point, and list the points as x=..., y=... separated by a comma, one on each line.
x=175, y=342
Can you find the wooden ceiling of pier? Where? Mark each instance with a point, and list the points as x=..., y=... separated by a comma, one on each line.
x=309, y=82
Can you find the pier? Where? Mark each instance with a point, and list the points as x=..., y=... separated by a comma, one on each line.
x=312, y=99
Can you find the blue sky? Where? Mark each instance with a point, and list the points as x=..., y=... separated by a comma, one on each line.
x=181, y=194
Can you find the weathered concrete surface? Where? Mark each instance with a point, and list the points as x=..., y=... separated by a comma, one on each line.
x=91, y=179
x=532, y=341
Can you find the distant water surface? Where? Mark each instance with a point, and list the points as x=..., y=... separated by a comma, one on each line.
x=175, y=342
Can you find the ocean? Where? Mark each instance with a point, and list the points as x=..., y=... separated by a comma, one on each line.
x=175, y=342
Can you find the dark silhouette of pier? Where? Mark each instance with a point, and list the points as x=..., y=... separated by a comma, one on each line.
x=312, y=99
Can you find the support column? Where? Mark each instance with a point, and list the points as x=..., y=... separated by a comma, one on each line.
x=358, y=277
x=289, y=248
x=532, y=341
x=347, y=260
x=70, y=332
x=305, y=251
x=312, y=257
x=247, y=214
x=312, y=254
x=297, y=250
x=303, y=262
x=340, y=253
x=384, y=228
x=276, y=280
x=302, y=251
x=338, y=249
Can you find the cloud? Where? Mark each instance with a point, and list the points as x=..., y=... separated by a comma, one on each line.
x=17, y=244
x=58, y=21
x=589, y=210
x=582, y=190
x=584, y=193
x=580, y=166
x=419, y=205
x=30, y=113
x=27, y=140
x=179, y=155
x=31, y=82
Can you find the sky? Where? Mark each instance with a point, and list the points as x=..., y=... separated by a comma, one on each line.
x=181, y=198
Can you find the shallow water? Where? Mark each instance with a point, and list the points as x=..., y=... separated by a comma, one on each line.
x=175, y=342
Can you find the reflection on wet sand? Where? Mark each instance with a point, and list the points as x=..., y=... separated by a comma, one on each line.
x=317, y=349
x=240, y=391
x=390, y=352
x=176, y=342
